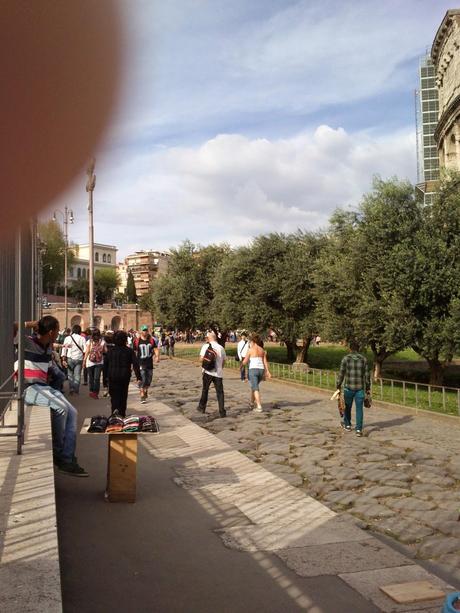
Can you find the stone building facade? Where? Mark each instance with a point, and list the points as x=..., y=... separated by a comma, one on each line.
x=445, y=54
x=105, y=257
x=105, y=318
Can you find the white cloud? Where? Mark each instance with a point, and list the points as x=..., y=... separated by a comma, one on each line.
x=231, y=188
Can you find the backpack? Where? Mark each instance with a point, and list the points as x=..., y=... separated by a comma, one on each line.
x=209, y=358
x=95, y=353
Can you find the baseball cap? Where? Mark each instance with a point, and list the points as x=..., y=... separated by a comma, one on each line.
x=144, y=328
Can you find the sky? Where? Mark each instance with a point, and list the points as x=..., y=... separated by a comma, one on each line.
x=240, y=118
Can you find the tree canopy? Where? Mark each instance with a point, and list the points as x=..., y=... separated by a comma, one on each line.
x=384, y=274
x=52, y=254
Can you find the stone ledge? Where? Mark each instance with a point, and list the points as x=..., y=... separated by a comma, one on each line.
x=29, y=556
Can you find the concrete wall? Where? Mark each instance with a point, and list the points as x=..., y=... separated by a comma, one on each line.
x=105, y=319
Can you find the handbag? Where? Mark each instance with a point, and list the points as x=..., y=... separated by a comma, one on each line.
x=368, y=400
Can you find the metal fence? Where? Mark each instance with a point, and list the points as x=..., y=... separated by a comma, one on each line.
x=19, y=301
x=404, y=393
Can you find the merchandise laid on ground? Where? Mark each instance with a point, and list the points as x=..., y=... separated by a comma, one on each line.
x=122, y=450
x=100, y=424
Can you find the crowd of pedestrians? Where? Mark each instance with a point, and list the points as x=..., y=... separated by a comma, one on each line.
x=51, y=357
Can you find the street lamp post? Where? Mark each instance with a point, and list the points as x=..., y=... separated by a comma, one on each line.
x=67, y=216
x=90, y=185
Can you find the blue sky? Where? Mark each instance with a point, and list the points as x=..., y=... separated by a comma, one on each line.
x=238, y=118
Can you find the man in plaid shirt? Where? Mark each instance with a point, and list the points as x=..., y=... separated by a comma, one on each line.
x=354, y=374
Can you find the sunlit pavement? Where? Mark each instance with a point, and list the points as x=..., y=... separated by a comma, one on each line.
x=211, y=528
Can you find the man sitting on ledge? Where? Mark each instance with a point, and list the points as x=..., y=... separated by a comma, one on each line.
x=37, y=365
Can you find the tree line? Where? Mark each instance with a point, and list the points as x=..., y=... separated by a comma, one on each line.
x=385, y=274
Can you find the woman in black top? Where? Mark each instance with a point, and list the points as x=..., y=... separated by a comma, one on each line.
x=119, y=361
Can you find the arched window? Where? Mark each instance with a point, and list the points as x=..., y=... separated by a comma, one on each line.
x=96, y=256
x=79, y=273
x=109, y=258
x=84, y=273
x=104, y=258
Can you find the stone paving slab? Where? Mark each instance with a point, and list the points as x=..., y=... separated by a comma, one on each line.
x=367, y=583
x=338, y=558
x=29, y=559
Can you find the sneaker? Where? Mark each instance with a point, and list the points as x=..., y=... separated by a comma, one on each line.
x=106, y=393
x=143, y=400
x=72, y=469
x=258, y=410
x=346, y=428
x=200, y=410
x=359, y=433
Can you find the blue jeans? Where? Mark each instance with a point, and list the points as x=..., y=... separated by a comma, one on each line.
x=63, y=419
x=94, y=374
x=358, y=396
x=146, y=377
x=74, y=374
x=256, y=375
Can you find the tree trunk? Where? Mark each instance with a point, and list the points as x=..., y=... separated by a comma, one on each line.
x=291, y=350
x=379, y=357
x=436, y=371
x=302, y=352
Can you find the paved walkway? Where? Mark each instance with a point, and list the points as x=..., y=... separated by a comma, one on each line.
x=401, y=479
x=29, y=561
x=212, y=529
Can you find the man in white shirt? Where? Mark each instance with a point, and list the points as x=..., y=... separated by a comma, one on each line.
x=215, y=375
x=73, y=350
x=242, y=349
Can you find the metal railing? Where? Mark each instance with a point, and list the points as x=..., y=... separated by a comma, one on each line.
x=439, y=399
x=19, y=299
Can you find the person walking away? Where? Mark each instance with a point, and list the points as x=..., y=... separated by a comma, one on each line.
x=120, y=360
x=256, y=357
x=37, y=362
x=354, y=374
x=94, y=360
x=86, y=335
x=163, y=343
x=146, y=347
x=108, y=337
x=73, y=351
x=166, y=345
x=172, y=342
x=241, y=350
x=212, y=373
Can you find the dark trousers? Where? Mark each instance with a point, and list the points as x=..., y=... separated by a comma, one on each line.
x=219, y=385
x=119, y=396
x=94, y=374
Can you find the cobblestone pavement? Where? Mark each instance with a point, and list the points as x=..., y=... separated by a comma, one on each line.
x=401, y=479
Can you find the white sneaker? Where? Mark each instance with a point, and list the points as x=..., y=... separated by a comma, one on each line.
x=258, y=410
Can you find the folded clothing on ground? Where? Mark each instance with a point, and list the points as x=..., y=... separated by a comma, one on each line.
x=98, y=423
x=147, y=423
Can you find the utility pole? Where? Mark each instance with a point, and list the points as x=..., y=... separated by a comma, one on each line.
x=66, y=218
x=90, y=185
